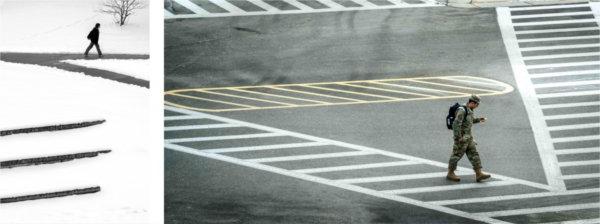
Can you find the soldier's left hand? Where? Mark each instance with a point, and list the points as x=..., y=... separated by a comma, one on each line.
x=483, y=119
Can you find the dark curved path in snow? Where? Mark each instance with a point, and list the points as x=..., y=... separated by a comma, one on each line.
x=54, y=60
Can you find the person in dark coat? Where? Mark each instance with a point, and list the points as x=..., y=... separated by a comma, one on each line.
x=93, y=36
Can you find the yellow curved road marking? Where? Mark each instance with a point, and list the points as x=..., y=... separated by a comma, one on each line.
x=489, y=87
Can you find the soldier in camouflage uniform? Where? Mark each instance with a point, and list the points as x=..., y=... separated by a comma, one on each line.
x=463, y=140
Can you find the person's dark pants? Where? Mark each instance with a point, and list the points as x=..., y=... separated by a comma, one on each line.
x=90, y=47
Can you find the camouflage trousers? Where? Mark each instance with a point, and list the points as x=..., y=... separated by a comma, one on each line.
x=460, y=148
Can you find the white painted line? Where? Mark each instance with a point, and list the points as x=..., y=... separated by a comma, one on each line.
x=331, y=4
x=191, y=6
x=577, y=221
x=324, y=181
x=264, y=5
x=582, y=176
x=364, y=3
x=558, y=47
x=552, y=15
x=204, y=126
x=579, y=163
x=576, y=93
x=576, y=139
x=355, y=167
x=264, y=147
x=569, y=64
x=552, y=56
x=435, y=91
x=184, y=117
x=539, y=210
x=534, y=112
x=298, y=5
x=569, y=73
x=393, y=178
x=227, y=6
x=574, y=126
x=398, y=2
x=563, y=84
x=385, y=90
x=557, y=39
x=451, y=187
x=557, y=30
x=313, y=156
x=513, y=197
x=578, y=115
x=554, y=22
x=224, y=137
x=576, y=151
x=477, y=83
x=549, y=7
x=356, y=147
x=564, y=105
x=168, y=13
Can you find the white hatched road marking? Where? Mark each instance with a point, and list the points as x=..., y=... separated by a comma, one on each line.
x=576, y=93
x=574, y=126
x=548, y=7
x=570, y=73
x=579, y=163
x=406, y=160
x=551, y=15
x=204, y=126
x=568, y=64
x=563, y=84
x=454, y=187
x=313, y=156
x=554, y=22
x=557, y=30
x=558, y=47
x=540, y=210
x=552, y=56
x=264, y=147
x=224, y=137
x=183, y=117
x=355, y=167
x=557, y=38
x=331, y=6
x=576, y=150
x=582, y=176
x=575, y=139
x=395, y=177
x=513, y=197
x=565, y=116
x=563, y=105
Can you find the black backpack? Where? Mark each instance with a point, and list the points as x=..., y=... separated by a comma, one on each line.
x=451, y=115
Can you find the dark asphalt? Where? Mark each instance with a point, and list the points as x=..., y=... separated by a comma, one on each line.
x=54, y=60
x=341, y=46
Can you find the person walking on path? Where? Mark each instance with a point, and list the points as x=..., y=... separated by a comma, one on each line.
x=463, y=140
x=93, y=36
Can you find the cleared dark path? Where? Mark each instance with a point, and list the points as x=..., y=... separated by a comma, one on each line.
x=54, y=60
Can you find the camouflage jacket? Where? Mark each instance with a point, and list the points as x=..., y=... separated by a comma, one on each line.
x=461, y=125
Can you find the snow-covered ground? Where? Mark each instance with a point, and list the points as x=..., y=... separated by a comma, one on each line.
x=63, y=25
x=133, y=67
x=35, y=95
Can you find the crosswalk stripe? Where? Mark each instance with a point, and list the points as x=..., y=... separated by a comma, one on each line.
x=393, y=178
x=574, y=126
x=224, y=137
x=575, y=139
x=539, y=210
x=196, y=127
x=227, y=6
x=563, y=84
x=552, y=56
x=183, y=117
x=552, y=15
x=581, y=176
x=579, y=163
x=554, y=22
x=576, y=150
x=355, y=167
x=563, y=105
x=556, y=30
x=557, y=38
x=576, y=115
x=513, y=197
x=313, y=156
x=548, y=7
x=449, y=187
x=577, y=93
x=265, y=147
x=557, y=47
x=569, y=73
x=558, y=65
x=191, y=6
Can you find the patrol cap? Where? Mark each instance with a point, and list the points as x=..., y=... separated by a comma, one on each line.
x=474, y=98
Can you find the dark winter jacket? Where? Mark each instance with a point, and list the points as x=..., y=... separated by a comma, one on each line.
x=94, y=35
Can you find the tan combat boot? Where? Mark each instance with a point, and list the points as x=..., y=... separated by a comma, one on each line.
x=479, y=176
x=451, y=176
